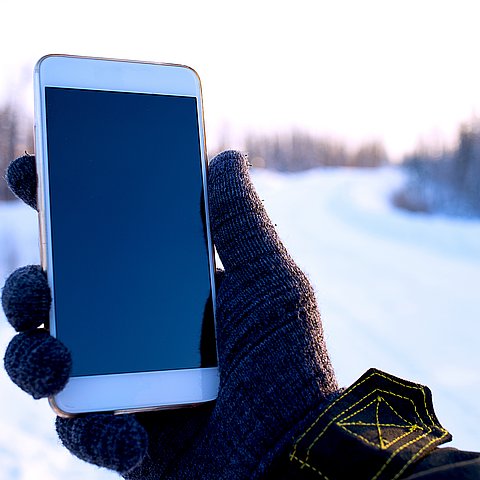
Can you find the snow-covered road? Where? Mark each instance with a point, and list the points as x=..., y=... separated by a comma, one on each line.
x=397, y=291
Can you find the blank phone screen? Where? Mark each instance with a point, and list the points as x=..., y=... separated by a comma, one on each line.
x=131, y=271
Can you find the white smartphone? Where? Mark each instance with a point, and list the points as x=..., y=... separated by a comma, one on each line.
x=124, y=231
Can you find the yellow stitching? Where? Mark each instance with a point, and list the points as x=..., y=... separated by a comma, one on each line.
x=363, y=408
x=376, y=445
x=399, y=449
x=351, y=389
x=382, y=442
x=398, y=415
x=332, y=421
x=416, y=387
x=348, y=391
x=352, y=406
x=380, y=438
x=414, y=456
x=404, y=398
x=366, y=424
x=445, y=433
x=395, y=440
x=305, y=464
x=381, y=398
x=300, y=438
x=384, y=445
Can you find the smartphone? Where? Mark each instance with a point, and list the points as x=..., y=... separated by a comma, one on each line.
x=124, y=232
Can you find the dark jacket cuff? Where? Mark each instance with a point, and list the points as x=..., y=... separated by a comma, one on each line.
x=377, y=429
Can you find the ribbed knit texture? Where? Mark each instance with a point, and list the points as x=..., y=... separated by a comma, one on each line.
x=115, y=442
x=38, y=363
x=274, y=367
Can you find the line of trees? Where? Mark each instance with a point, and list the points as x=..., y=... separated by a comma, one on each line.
x=298, y=151
x=446, y=182
x=289, y=152
x=16, y=137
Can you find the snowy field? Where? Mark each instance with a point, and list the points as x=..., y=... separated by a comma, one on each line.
x=397, y=291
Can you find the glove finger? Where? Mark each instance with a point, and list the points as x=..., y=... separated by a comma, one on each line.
x=241, y=229
x=26, y=298
x=21, y=177
x=38, y=363
x=117, y=442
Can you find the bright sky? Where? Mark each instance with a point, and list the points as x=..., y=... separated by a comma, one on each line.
x=402, y=72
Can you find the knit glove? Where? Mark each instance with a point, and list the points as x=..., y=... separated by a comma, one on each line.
x=273, y=363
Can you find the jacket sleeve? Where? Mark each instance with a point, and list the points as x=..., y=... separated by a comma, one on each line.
x=380, y=428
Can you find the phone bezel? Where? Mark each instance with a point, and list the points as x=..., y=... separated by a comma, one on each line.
x=128, y=392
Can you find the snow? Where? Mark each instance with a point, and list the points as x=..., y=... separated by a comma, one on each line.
x=397, y=291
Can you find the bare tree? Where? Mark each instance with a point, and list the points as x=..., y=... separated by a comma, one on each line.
x=299, y=150
x=467, y=160
x=15, y=138
x=447, y=181
x=370, y=154
x=8, y=144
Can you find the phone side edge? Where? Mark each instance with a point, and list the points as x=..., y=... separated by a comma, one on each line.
x=40, y=163
x=204, y=168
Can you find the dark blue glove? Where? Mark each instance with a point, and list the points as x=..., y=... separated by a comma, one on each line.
x=274, y=366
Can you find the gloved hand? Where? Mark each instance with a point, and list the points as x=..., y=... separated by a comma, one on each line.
x=273, y=363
